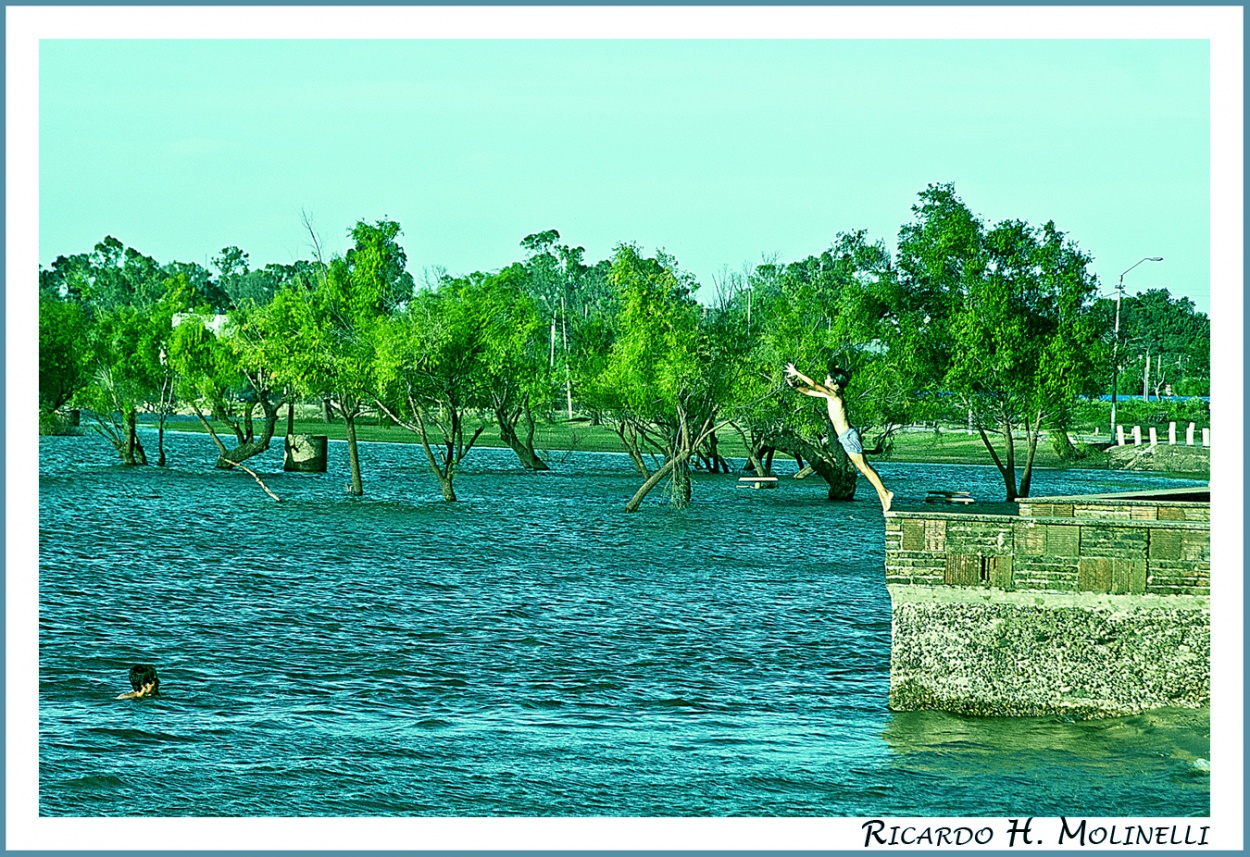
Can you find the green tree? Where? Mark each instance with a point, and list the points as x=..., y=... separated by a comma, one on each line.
x=117, y=275
x=434, y=360
x=321, y=335
x=518, y=370
x=128, y=301
x=1000, y=320
x=828, y=309
x=223, y=377
x=661, y=380
x=556, y=275
x=129, y=371
x=63, y=353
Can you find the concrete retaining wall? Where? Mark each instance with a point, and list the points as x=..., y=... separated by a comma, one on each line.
x=1086, y=605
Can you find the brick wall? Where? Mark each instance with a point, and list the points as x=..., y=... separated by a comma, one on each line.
x=1072, y=553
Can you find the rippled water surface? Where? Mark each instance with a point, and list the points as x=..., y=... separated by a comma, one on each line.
x=530, y=650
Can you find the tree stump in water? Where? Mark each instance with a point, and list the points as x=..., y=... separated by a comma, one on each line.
x=305, y=453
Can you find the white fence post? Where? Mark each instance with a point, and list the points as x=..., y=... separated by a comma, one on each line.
x=1136, y=435
x=1206, y=437
x=1171, y=434
x=1189, y=435
x=1154, y=437
x=1119, y=435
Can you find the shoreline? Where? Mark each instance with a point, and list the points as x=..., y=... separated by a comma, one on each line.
x=922, y=446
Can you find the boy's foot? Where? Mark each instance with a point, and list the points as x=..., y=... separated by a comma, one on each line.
x=887, y=501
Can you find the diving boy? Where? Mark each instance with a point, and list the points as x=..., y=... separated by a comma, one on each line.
x=848, y=436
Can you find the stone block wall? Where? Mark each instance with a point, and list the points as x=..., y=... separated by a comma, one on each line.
x=1120, y=555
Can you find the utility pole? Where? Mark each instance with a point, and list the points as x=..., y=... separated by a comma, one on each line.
x=1115, y=346
x=1115, y=354
x=564, y=334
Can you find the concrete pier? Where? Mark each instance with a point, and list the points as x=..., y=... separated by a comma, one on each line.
x=1096, y=605
x=305, y=453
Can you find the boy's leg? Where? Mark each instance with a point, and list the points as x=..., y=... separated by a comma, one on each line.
x=887, y=496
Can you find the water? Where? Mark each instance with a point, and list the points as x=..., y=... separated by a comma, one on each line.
x=531, y=650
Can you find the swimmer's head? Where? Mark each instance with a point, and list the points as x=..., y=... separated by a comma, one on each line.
x=142, y=675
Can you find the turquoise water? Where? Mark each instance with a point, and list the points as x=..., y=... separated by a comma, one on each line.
x=531, y=650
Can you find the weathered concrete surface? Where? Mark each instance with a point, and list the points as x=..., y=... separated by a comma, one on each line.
x=305, y=453
x=992, y=653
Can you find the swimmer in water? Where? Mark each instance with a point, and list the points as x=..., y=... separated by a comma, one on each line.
x=145, y=682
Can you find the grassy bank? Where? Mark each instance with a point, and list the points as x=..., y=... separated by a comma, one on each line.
x=948, y=446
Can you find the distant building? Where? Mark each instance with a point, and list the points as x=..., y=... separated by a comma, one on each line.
x=216, y=324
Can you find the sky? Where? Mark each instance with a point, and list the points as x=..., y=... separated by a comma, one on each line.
x=724, y=153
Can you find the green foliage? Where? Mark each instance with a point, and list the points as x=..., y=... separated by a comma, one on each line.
x=450, y=351
x=127, y=350
x=318, y=333
x=659, y=357
x=63, y=351
x=663, y=380
x=573, y=297
x=1175, y=335
x=514, y=358
x=435, y=353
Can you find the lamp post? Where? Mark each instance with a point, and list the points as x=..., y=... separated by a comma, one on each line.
x=1115, y=346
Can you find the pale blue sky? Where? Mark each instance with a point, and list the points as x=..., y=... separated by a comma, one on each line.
x=721, y=152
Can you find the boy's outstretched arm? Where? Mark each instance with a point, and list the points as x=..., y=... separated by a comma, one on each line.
x=792, y=372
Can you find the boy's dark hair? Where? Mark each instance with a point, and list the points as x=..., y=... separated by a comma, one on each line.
x=838, y=375
x=141, y=674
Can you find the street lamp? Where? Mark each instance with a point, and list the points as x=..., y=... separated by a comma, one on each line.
x=1115, y=346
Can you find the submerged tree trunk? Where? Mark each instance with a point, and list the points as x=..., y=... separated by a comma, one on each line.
x=716, y=463
x=522, y=446
x=837, y=471
x=840, y=478
x=453, y=447
x=751, y=443
x=445, y=485
x=160, y=441
x=356, y=488
x=629, y=439
x=254, y=445
x=119, y=431
x=1034, y=433
x=131, y=449
x=652, y=481
x=1007, y=468
x=248, y=444
x=682, y=490
x=677, y=464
